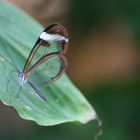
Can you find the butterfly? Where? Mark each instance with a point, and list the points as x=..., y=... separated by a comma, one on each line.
x=46, y=60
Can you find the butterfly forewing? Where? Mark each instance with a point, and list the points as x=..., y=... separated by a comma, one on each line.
x=56, y=34
x=54, y=39
x=56, y=29
x=50, y=68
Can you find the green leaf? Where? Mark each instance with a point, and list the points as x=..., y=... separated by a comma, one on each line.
x=64, y=102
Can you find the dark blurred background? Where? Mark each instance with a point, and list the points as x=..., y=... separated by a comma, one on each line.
x=104, y=62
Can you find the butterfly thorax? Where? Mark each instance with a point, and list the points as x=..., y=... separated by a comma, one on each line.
x=22, y=78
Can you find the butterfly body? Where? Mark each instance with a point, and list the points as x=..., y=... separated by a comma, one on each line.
x=22, y=78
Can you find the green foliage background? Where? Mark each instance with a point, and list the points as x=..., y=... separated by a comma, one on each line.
x=117, y=104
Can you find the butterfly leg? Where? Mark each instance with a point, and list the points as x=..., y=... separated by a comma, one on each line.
x=13, y=88
x=9, y=79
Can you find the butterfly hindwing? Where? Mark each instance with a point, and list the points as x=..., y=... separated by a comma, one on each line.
x=47, y=70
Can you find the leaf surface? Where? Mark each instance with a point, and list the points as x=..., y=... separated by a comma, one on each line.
x=64, y=102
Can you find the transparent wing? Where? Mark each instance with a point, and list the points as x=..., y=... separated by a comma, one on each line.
x=53, y=39
x=47, y=70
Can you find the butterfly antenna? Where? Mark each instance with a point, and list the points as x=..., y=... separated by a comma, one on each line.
x=8, y=62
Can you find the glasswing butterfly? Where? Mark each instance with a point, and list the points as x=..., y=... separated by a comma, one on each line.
x=46, y=60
